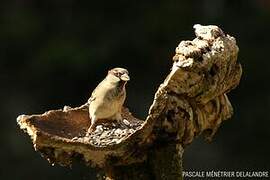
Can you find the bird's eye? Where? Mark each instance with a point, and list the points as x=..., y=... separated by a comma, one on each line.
x=118, y=74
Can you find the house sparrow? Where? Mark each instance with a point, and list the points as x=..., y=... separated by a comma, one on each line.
x=108, y=97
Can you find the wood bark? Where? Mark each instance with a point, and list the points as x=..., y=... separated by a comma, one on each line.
x=191, y=101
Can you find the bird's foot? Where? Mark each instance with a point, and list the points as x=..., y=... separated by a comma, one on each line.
x=90, y=130
x=120, y=120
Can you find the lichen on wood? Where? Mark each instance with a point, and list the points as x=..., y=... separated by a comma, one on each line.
x=192, y=100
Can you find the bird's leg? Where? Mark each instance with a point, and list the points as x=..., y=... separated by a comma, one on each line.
x=90, y=129
x=92, y=126
x=118, y=118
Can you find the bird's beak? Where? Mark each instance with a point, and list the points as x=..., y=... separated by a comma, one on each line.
x=124, y=77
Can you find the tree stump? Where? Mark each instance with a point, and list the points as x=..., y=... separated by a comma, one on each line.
x=191, y=101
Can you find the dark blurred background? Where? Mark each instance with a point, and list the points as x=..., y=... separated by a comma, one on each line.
x=54, y=53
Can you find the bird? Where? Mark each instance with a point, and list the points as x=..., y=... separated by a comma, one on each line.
x=108, y=97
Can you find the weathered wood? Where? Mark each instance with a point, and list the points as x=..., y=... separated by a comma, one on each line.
x=192, y=100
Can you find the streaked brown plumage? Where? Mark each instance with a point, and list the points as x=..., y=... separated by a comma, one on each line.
x=108, y=97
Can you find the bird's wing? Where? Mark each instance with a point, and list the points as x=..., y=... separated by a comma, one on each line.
x=97, y=89
x=93, y=97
